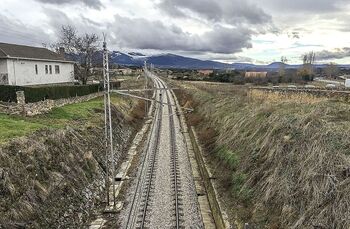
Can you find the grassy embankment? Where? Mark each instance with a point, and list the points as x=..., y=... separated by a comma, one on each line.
x=52, y=177
x=86, y=113
x=12, y=126
x=279, y=163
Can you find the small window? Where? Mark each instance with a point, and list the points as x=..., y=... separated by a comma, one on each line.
x=50, y=68
x=36, y=69
x=57, y=69
x=46, y=69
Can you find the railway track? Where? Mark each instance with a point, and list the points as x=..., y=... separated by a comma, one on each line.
x=174, y=160
x=141, y=204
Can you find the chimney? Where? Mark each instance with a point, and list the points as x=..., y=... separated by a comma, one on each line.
x=61, y=52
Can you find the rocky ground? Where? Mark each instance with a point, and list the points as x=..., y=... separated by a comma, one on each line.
x=161, y=210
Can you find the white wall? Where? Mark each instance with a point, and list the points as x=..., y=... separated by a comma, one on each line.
x=22, y=72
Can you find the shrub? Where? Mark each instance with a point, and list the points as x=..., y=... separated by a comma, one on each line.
x=35, y=94
x=8, y=93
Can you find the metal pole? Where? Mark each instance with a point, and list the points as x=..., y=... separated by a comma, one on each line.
x=147, y=103
x=106, y=71
x=146, y=87
x=106, y=129
x=106, y=134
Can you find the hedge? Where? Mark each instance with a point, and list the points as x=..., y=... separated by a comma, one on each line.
x=8, y=93
x=35, y=94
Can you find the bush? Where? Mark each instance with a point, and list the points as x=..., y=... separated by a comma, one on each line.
x=8, y=93
x=35, y=94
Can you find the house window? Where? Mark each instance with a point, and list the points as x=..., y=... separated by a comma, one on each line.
x=57, y=69
x=46, y=69
x=36, y=69
x=50, y=68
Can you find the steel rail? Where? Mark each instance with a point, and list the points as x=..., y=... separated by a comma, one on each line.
x=142, y=176
x=173, y=157
x=156, y=147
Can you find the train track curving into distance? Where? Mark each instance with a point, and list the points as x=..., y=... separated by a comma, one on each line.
x=138, y=216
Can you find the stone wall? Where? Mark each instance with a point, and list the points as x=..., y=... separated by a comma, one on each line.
x=31, y=109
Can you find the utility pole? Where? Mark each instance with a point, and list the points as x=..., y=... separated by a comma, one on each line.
x=146, y=87
x=108, y=122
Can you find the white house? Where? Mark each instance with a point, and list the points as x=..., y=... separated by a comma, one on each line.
x=25, y=65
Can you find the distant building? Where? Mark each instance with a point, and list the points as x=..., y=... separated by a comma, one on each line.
x=26, y=65
x=126, y=71
x=205, y=72
x=256, y=74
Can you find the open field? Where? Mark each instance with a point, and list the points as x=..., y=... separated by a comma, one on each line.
x=279, y=163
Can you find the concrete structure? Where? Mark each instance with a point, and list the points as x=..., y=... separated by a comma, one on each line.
x=256, y=74
x=24, y=65
x=347, y=83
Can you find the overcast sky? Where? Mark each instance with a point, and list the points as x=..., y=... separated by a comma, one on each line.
x=257, y=31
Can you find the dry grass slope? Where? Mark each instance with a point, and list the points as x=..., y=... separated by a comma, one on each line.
x=285, y=163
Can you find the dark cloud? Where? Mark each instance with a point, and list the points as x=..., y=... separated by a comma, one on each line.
x=227, y=11
x=57, y=19
x=339, y=53
x=140, y=33
x=95, y=4
x=15, y=32
x=294, y=34
x=143, y=34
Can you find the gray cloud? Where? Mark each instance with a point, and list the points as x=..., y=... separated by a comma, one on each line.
x=339, y=53
x=57, y=19
x=140, y=33
x=297, y=6
x=294, y=34
x=143, y=34
x=15, y=32
x=227, y=11
x=96, y=4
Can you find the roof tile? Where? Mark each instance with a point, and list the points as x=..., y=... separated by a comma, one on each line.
x=22, y=51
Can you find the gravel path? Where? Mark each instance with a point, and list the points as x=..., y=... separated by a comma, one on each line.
x=157, y=206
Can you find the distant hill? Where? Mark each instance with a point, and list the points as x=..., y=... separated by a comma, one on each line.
x=176, y=61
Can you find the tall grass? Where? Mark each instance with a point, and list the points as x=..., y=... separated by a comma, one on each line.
x=293, y=157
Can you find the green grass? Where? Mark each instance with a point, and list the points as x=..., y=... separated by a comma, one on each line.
x=78, y=111
x=13, y=126
x=230, y=158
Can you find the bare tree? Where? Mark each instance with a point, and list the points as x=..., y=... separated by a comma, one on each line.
x=309, y=59
x=331, y=70
x=307, y=70
x=84, y=46
x=67, y=39
x=282, y=70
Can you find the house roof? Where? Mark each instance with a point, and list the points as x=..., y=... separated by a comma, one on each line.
x=28, y=52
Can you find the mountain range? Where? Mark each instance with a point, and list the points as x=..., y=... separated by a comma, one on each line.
x=169, y=60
